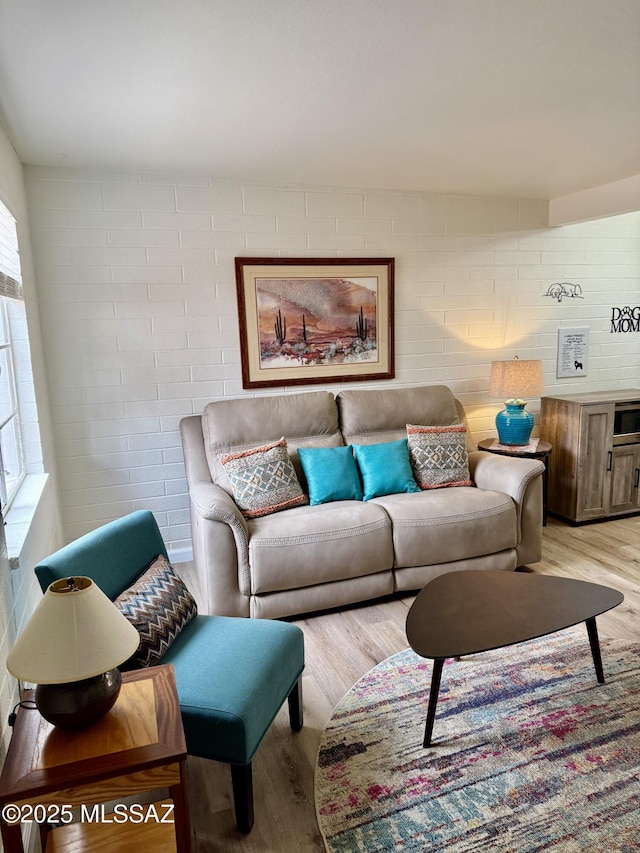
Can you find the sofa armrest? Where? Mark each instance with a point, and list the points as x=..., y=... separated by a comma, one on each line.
x=213, y=503
x=521, y=479
x=503, y=473
x=221, y=550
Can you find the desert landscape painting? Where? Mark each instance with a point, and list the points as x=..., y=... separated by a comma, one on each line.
x=314, y=320
x=304, y=321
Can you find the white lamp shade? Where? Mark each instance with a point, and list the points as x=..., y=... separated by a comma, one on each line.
x=516, y=378
x=75, y=632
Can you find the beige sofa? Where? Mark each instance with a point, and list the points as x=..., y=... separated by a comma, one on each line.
x=309, y=558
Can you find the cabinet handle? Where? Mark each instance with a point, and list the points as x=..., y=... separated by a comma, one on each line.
x=609, y=460
x=637, y=482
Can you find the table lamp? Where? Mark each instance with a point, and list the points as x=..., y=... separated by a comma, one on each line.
x=513, y=379
x=71, y=648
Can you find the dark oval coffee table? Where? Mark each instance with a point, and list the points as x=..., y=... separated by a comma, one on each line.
x=465, y=613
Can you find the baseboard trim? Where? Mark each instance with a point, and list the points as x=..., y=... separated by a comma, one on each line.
x=180, y=555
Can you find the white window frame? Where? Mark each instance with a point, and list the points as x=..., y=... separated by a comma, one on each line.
x=12, y=461
x=12, y=466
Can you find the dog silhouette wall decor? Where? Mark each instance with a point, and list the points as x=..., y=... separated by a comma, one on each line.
x=559, y=289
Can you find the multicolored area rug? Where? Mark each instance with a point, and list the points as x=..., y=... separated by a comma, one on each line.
x=529, y=754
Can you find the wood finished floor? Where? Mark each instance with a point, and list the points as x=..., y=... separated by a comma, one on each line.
x=340, y=648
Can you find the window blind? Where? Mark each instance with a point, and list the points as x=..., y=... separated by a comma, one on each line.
x=10, y=275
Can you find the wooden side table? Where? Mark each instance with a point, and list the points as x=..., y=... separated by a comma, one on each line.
x=137, y=748
x=542, y=451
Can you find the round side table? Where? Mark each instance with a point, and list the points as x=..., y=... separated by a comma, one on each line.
x=542, y=451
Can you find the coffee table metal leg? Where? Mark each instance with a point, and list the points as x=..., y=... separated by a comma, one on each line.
x=433, y=699
x=592, y=631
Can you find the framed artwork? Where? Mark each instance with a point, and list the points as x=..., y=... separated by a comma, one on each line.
x=311, y=320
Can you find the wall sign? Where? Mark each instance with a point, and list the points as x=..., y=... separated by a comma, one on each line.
x=573, y=352
x=625, y=319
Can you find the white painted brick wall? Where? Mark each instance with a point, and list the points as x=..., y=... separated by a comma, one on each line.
x=138, y=305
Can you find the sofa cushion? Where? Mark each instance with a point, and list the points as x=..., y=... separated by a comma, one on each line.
x=385, y=468
x=439, y=455
x=231, y=675
x=231, y=426
x=376, y=415
x=159, y=606
x=311, y=545
x=331, y=474
x=263, y=479
x=443, y=525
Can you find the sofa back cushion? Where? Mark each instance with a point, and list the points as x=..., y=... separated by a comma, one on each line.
x=231, y=426
x=374, y=415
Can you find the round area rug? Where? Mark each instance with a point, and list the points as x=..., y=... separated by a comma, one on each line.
x=529, y=753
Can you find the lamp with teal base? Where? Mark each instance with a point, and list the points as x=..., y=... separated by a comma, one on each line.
x=508, y=378
x=514, y=424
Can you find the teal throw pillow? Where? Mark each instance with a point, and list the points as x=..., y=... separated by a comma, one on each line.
x=332, y=474
x=385, y=468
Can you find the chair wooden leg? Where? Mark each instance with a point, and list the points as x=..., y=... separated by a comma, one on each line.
x=295, y=706
x=242, y=781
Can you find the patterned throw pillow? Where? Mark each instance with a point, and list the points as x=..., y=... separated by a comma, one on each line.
x=263, y=479
x=439, y=455
x=158, y=605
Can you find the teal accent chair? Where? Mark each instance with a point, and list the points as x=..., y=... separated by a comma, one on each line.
x=232, y=674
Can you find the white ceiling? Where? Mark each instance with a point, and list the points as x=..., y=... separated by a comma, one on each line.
x=537, y=98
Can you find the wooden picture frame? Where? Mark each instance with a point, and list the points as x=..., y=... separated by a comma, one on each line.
x=313, y=320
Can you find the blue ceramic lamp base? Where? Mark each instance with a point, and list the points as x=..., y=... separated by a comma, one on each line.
x=514, y=424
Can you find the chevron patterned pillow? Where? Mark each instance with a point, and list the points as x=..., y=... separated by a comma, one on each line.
x=158, y=605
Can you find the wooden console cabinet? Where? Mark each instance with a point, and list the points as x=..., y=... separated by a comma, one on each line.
x=594, y=471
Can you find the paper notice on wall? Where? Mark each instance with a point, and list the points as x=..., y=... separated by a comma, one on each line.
x=573, y=352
